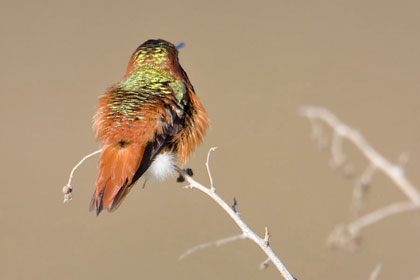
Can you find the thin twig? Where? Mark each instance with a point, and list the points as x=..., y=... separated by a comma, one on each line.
x=360, y=190
x=216, y=243
x=267, y=237
x=246, y=231
x=375, y=216
x=67, y=189
x=318, y=134
x=375, y=273
x=347, y=235
x=338, y=156
x=212, y=187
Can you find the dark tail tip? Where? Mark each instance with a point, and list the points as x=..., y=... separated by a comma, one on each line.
x=97, y=203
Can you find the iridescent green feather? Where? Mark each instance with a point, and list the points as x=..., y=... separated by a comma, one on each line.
x=147, y=82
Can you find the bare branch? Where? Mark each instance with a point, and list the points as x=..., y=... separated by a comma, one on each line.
x=67, y=189
x=393, y=171
x=216, y=243
x=375, y=273
x=246, y=231
x=347, y=235
x=380, y=214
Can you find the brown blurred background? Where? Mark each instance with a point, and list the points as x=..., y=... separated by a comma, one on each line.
x=253, y=63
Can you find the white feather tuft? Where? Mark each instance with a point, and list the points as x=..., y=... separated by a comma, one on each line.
x=162, y=167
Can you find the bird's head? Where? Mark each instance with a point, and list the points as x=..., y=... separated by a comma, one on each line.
x=155, y=61
x=155, y=53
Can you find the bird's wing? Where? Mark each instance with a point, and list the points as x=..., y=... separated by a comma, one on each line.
x=153, y=148
x=122, y=163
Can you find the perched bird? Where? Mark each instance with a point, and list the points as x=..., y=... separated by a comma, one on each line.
x=148, y=122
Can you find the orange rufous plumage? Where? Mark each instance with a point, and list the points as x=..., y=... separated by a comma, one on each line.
x=129, y=146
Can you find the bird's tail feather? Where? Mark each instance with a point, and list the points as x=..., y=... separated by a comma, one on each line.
x=117, y=166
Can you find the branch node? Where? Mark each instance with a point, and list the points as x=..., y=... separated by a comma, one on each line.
x=235, y=203
x=247, y=233
x=342, y=237
x=267, y=237
x=264, y=264
x=189, y=186
x=67, y=189
x=361, y=189
x=403, y=159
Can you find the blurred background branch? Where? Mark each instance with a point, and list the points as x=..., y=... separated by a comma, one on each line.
x=346, y=235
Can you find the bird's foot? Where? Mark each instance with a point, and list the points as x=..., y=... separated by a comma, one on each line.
x=181, y=178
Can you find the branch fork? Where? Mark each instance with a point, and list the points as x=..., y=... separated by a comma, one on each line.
x=247, y=233
x=346, y=235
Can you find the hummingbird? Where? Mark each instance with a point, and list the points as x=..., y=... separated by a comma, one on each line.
x=147, y=123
